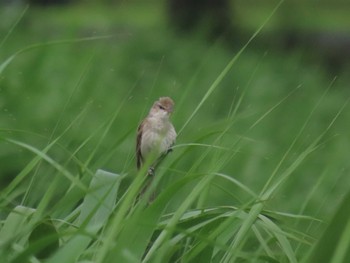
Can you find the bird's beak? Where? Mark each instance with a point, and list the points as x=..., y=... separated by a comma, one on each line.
x=170, y=111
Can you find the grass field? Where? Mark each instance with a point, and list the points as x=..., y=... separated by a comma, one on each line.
x=259, y=173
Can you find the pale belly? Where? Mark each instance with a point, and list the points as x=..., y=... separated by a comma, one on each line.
x=154, y=143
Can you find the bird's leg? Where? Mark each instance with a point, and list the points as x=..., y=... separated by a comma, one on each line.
x=151, y=173
x=162, y=157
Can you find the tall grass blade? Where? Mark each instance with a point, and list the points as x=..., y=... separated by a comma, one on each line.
x=274, y=107
x=227, y=69
x=274, y=173
x=281, y=238
x=14, y=26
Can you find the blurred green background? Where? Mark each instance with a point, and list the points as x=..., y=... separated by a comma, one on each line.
x=150, y=49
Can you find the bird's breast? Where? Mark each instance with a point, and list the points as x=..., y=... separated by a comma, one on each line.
x=157, y=138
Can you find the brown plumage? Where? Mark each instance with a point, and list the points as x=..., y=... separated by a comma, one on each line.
x=139, y=157
x=155, y=134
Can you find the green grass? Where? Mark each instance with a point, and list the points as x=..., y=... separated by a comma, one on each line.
x=258, y=174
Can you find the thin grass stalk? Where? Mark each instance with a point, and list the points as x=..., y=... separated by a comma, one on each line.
x=227, y=69
x=4, y=64
x=20, y=17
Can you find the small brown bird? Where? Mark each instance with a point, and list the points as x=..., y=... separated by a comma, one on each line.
x=155, y=134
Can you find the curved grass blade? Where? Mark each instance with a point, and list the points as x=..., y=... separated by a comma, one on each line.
x=14, y=26
x=4, y=64
x=48, y=159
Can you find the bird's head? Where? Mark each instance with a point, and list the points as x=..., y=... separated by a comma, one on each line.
x=162, y=108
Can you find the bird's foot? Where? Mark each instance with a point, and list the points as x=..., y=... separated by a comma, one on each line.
x=150, y=171
x=170, y=149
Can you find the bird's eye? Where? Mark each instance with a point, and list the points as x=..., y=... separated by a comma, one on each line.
x=161, y=107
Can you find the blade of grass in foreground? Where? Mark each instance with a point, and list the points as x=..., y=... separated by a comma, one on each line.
x=118, y=220
x=138, y=229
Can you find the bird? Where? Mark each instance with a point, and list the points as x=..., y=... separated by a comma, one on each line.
x=156, y=134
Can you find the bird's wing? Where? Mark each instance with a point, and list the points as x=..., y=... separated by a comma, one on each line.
x=139, y=158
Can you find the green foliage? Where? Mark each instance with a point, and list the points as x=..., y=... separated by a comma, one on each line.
x=334, y=246
x=260, y=165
